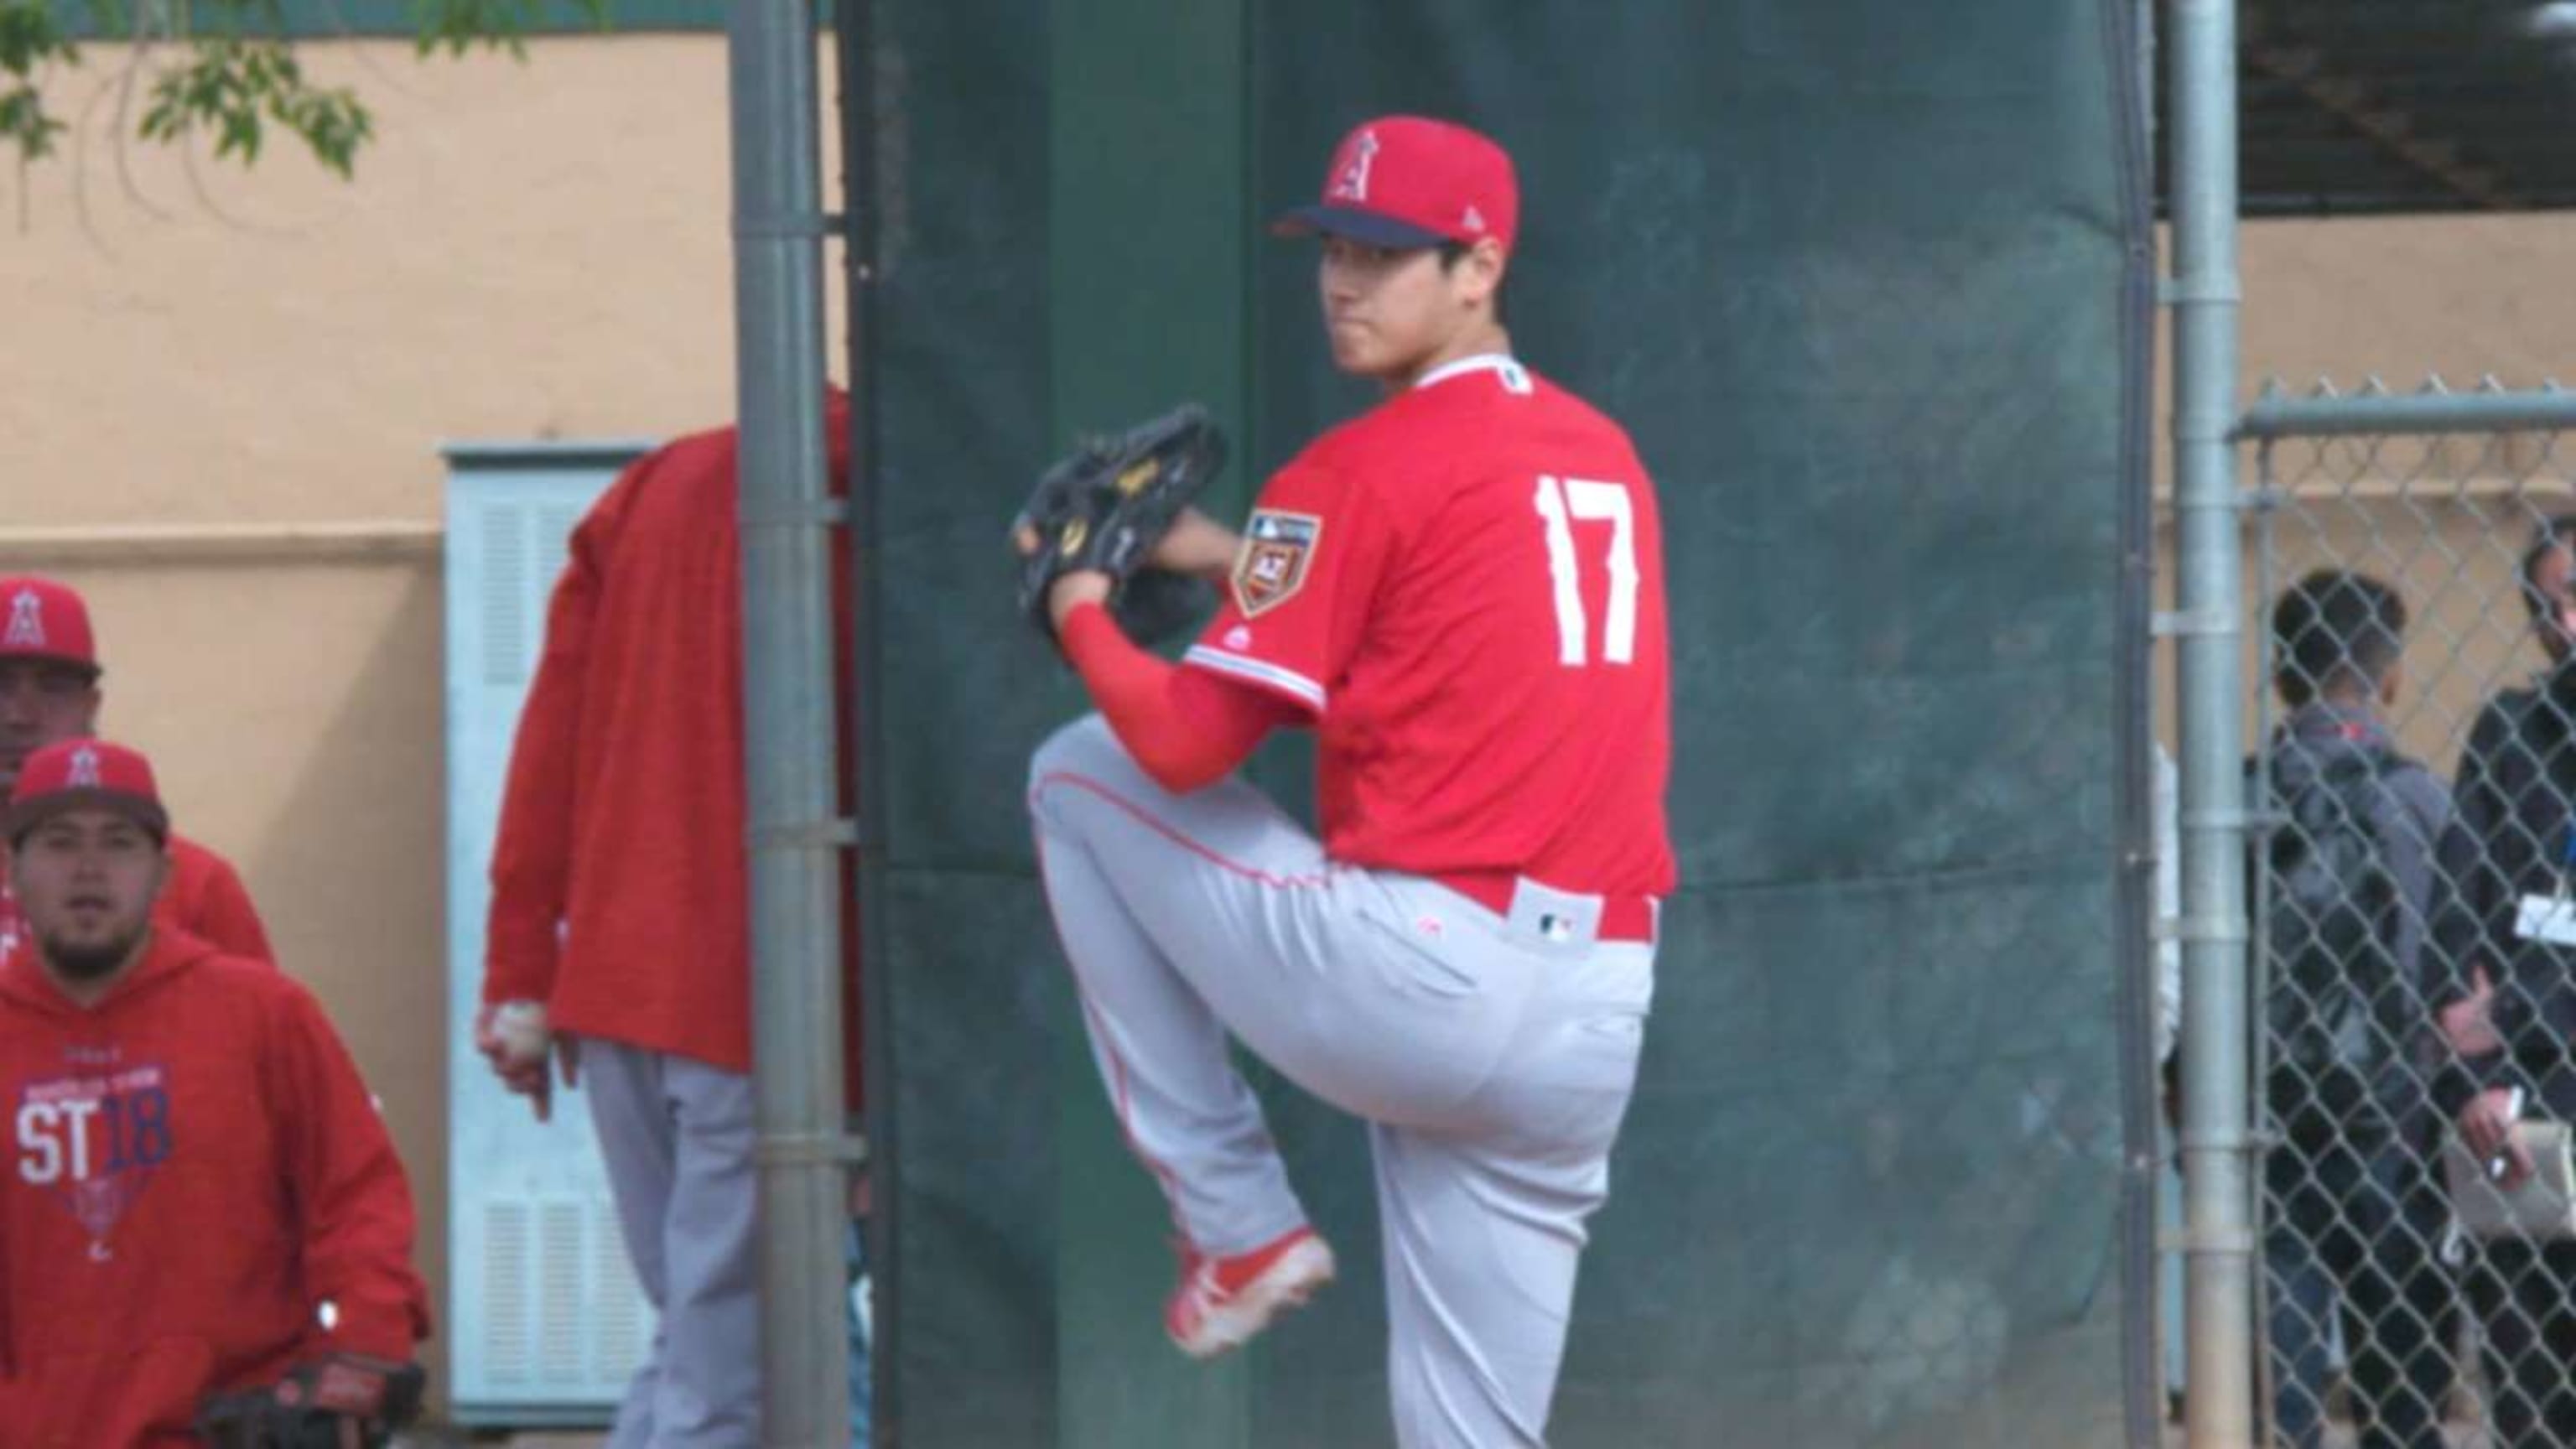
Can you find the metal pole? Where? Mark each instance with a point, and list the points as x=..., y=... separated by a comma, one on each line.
x=2548, y=410
x=2131, y=30
x=2217, y=1148
x=788, y=722
x=855, y=35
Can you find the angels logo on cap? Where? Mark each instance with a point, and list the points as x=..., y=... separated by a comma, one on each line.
x=84, y=775
x=1350, y=181
x=45, y=619
x=26, y=621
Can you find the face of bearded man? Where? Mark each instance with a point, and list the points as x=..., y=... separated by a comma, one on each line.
x=86, y=881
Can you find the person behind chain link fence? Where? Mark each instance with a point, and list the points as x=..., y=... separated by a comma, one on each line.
x=2354, y=1215
x=2509, y=1007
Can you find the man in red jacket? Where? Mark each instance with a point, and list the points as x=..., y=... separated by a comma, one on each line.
x=200, y=1197
x=620, y=917
x=49, y=673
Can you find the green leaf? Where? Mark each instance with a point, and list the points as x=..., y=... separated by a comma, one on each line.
x=235, y=76
x=29, y=37
x=24, y=121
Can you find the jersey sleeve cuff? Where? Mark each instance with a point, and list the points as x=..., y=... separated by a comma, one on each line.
x=1288, y=684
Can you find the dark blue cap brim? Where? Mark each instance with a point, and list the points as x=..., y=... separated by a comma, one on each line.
x=1359, y=226
x=22, y=817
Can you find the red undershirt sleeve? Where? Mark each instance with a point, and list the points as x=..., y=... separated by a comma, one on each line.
x=1187, y=728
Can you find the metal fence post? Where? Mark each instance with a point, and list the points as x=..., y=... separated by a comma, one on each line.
x=854, y=37
x=2217, y=1153
x=789, y=721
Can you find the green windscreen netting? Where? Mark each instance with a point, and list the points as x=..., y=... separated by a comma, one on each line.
x=1866, y=283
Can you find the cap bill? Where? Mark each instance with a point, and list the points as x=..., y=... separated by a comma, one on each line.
x=1360, y=226
x=87, y=669
x=22, y=816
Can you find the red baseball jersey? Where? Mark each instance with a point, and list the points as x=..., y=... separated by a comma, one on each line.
x=1464, y=588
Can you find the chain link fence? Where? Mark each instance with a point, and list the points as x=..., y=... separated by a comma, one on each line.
x=2413, y=783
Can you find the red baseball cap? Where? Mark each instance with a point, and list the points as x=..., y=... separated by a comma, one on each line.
x=42, y=619
x=86, y=775
x=1408, y=181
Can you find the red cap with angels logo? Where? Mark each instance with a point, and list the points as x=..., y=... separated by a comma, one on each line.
x=1409, y=181
x=42, y=619
x=85, y=775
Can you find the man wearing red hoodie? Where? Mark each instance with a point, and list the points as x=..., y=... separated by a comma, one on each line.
x=620, y=919
x=49, y=673
x=200, y=1197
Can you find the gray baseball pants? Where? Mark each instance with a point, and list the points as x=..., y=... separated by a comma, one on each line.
x=677, y=1136
x=1492, y=1058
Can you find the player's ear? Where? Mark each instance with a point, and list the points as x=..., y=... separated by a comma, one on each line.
x=1480, y=272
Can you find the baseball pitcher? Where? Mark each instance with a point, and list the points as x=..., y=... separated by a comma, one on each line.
x=1461, y=591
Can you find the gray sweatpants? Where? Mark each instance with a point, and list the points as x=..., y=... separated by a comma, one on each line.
x=1491, y=1057
x=676, y=1136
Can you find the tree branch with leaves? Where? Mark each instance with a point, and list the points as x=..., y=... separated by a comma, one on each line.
x=223, y=69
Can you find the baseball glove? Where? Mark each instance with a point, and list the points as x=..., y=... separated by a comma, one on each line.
x=1105, y=507
x=346, y=1401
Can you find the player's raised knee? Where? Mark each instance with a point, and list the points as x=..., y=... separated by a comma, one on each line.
x=1086, y=746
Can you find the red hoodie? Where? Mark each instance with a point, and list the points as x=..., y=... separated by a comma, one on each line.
x=204, y=898
x=195, y=1168
x=619, y=878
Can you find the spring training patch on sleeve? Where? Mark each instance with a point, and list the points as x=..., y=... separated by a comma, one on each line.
x=1278, y=553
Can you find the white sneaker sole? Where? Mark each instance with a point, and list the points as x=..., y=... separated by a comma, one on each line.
x=1288, y=1283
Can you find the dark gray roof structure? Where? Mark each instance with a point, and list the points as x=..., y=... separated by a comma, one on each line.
x=2381, y=106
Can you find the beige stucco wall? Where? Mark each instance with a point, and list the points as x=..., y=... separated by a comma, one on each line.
x=2459, y=296
x=540, y=251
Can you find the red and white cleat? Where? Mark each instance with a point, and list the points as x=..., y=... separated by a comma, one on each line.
x=1223, y=1302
